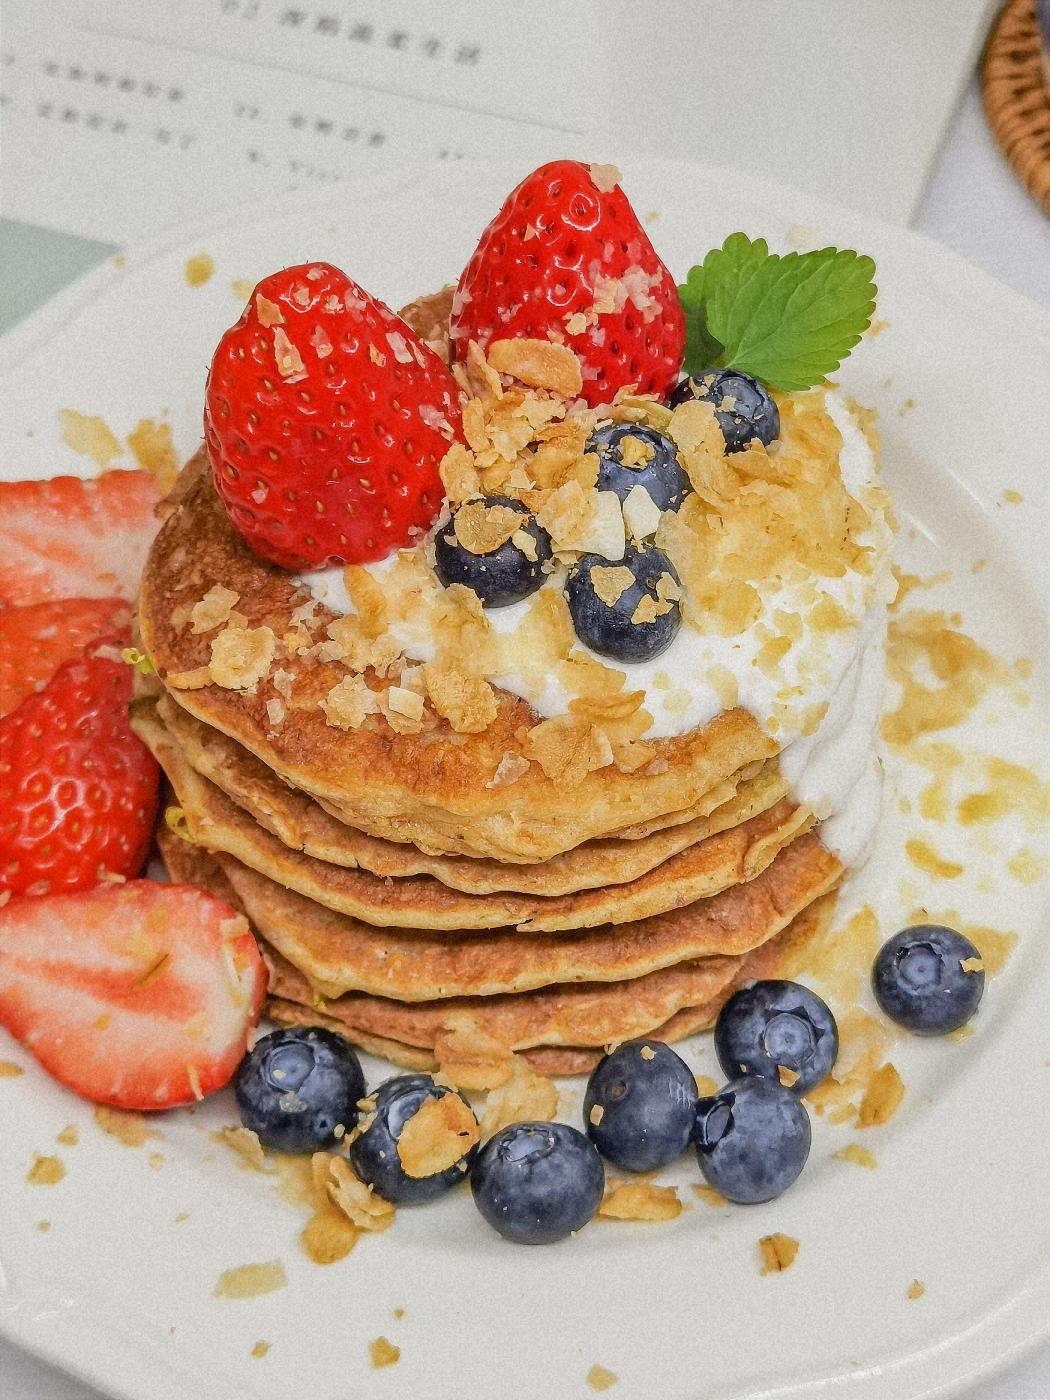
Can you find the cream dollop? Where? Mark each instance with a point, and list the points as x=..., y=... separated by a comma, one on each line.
x=831, y=769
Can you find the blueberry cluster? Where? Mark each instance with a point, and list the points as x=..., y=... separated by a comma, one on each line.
x=626, y=621
x=302, y=1090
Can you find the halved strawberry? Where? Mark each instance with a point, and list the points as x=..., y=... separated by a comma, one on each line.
x=566, y=259
x=78, y=789
x=73, y=538
x=326, y=418
x=35, y=640
x=139, y=995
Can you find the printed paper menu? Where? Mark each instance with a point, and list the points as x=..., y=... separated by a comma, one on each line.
x=120, y=117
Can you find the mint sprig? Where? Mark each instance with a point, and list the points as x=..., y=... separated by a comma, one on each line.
x=789, y=321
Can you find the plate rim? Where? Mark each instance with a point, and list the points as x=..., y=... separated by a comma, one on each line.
x=25, y=336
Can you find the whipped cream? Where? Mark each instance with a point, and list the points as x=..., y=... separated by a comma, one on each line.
x=832, y=769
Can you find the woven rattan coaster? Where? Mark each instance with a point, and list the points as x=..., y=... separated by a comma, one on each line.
x=1016, y=87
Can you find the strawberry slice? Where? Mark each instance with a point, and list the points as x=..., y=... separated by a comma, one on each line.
x=78, y=789
x=139, y=995
x=36, y=640
x=566, y=259
x=74, y=538
x=326, y=418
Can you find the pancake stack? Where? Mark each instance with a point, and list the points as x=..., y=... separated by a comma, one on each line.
x=441, y=893
x=437, y=957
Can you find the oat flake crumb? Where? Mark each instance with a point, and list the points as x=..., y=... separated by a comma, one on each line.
x=127, y=1127
x=251, y=1280
x=778, y=1253
x=241, y=656
x=540, y=364
x=328, y=1236
x=198, y=269
x=359, y=1203
x=268, y=312
x=383, y=1353
x=859, y=1156
x=45, y=1171
x=68, y=1137
x=605, y=177
x=260, y=1349
x=88, y=435
x=213, y=609
x=610, y=583
x=154, y=450
x=511, y=767
x=709, y=1195
x=601, y=1378
x=467, y=702
x=527, y=1096
x=286, y=354
x=882, y=1097
x=641, y=1200
x=245, y=1144
x=348, y=704
x=437, y=1136
x=916, y=1289
x=9, y=1070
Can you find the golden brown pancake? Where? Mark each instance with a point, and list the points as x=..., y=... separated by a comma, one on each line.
x=338, y=954
x=421, y=902
x=303, y=825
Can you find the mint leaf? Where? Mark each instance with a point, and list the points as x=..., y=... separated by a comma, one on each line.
x=789, y=321
x=701, y=348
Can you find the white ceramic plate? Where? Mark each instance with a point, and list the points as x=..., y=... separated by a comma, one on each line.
x=119, y=1292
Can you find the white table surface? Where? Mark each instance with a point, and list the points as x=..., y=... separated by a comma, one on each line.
x=975, y=205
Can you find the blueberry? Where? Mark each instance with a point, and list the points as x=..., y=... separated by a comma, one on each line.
x=537, y=1182
x=662, y=475
x=742, y=405
x=752, y=1139
x=374, y=1154
x=773, y=1024
x=646, y=1097
x=297, y=1086
x=503, y=575
x=607, y=628
x=920, y=982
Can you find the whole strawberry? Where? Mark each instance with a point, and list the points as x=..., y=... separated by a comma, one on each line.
x=326, y=418
x=78, y=790
x=566, y=259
